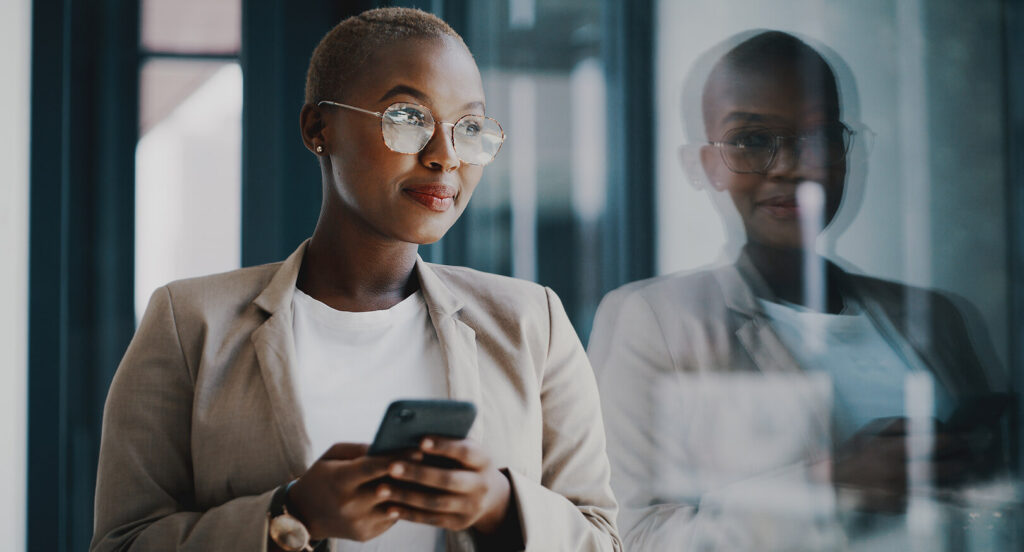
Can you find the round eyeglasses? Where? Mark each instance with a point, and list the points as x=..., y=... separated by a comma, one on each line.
x=755, y=150
x=408, y=127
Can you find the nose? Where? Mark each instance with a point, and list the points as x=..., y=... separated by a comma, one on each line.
x=439, y=153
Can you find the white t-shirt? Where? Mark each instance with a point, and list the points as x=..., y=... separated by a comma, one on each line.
x=350, y=366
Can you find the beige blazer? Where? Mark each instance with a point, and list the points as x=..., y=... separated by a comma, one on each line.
x=705, y=405
x=201, y=423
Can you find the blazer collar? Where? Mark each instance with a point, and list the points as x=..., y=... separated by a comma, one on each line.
x=274, y=344
x=741, y=286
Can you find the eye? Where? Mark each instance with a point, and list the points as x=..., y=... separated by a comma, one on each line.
x=752, y=139
x=471, y=128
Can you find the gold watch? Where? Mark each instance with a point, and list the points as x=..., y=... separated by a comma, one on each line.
x=287, y=532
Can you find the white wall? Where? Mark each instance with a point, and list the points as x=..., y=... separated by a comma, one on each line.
x=15, y=57
x=927, y=80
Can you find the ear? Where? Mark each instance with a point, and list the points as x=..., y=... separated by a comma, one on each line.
x=710, y=164
x=697, y=167
x=312, y=125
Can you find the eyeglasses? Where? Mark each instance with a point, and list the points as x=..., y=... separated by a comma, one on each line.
x=408, y=127
x=754, y=150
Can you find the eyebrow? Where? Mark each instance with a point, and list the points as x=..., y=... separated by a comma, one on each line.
x=747, y=117
x=420, y=96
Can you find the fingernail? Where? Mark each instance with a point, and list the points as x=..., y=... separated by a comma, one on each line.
x=397, y=469
x=384, y=491
x=392, y=514
x=428, y=444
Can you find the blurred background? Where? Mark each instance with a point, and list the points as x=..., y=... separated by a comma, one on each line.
x=150, y=140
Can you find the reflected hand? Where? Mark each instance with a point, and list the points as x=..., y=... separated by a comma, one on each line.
x=875, y=462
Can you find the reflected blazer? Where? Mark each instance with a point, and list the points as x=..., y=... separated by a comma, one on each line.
x=676, y=356
x=201, y=422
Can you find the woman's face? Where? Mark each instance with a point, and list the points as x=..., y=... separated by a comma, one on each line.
x=779, y=101
x=412, y=198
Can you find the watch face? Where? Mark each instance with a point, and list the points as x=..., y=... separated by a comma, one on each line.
x=289, y=533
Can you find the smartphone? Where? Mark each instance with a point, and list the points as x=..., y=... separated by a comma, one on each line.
x=407, y=422
x=978, y=411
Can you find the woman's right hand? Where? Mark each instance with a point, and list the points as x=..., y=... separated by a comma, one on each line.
x=338, y=497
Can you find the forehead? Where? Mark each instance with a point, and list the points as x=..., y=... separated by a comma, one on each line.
x=775, y=94
x=441, y=69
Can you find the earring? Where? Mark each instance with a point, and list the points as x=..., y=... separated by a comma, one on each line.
x=319, y=148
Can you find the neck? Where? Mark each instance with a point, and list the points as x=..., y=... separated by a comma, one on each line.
x=352, y=269
x=783, y=270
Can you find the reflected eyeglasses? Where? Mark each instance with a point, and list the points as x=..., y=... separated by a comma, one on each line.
x=755, y=150
x=408, y=127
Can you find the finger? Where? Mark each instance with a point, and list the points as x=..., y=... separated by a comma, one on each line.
x=353, y=473
x=467, y=452
x=443, y=479
x=345, y=451
x=424, y=499
x=453, y=522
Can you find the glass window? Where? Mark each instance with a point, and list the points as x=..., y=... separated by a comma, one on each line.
x=188, y=157
x=192, y=26
x=188, y=181
x=823, y=363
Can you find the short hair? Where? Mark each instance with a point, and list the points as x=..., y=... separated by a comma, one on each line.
x=344, y=50
x=766, y=51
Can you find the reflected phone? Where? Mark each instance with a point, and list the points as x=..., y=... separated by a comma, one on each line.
x=978, y=411
x=408, y=421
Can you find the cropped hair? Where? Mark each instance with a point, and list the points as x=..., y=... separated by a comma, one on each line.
x=345, y=49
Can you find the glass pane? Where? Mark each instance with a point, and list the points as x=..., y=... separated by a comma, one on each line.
x=823, y=363
x=192, y=26
x=188, y=181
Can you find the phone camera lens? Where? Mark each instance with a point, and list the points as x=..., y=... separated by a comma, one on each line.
x=406, y=414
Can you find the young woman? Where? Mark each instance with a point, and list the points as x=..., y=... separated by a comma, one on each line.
x=239, y=415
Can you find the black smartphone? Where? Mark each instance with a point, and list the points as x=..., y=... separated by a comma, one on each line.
x=407, y=422
x=978, y=411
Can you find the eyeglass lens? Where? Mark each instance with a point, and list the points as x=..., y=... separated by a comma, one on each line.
x=755, y=150
x=407, y=128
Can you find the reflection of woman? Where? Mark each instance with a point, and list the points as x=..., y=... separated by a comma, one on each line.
x=772, y=116
x=237, y=384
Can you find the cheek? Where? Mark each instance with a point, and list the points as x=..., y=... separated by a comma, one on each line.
x=470, y=176
x=741, y=188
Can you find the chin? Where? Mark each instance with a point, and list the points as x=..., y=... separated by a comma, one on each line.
x=425, y=234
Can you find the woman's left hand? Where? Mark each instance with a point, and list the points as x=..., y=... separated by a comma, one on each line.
x=473, y=495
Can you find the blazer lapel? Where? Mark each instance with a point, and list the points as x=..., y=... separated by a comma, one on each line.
x=275, y=350
x=741, y=286
x=458, y=342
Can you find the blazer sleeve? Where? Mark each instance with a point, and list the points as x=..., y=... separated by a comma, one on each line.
x=144, y=488
x=631, y=356
x=572, y=508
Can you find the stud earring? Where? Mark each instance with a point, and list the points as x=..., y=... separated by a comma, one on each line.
x=319, y=148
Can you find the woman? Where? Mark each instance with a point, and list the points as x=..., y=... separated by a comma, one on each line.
x=243, y=405
x=710, y=380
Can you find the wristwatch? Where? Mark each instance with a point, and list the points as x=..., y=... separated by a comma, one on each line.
x=286, y=530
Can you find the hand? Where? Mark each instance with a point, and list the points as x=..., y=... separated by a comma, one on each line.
x=474, y=495
x=875, y=462
x=337, y=497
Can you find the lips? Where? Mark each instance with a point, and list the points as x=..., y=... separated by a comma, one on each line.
x=434, y=196
x=780, y=206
